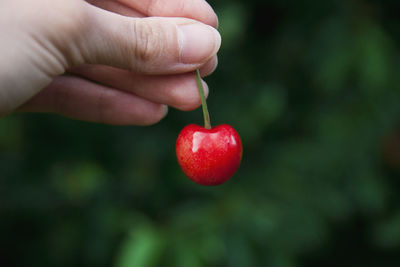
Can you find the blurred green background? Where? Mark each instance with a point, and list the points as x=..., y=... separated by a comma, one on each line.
x=313, y=87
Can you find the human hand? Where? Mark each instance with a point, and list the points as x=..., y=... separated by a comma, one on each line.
x=104, y=61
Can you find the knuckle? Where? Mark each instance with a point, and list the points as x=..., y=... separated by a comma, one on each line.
x=147, y=43
x=61, y=30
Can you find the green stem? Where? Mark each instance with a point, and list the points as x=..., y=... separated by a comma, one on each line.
x=206, y=115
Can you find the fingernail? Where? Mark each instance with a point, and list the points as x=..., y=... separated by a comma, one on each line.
x=165, y=109
x=198, y=43
x=205, y=88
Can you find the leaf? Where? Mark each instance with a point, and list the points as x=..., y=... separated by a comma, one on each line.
x=142, y=248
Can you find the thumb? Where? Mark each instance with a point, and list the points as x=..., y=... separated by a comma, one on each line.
x=153, y=45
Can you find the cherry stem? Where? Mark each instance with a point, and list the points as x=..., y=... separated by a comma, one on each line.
x=206, y=115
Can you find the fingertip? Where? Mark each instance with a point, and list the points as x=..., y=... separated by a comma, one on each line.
x=158, y=113
x=191, y=100
x=212, y=19
x=198, y=43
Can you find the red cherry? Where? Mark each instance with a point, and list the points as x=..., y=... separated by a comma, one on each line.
x=209, y=156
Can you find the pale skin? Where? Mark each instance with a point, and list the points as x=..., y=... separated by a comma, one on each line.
x=119, y=62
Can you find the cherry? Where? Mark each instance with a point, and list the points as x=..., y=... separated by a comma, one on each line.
x=208, y=155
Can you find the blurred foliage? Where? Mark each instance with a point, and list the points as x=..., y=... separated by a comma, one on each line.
x=313, y=89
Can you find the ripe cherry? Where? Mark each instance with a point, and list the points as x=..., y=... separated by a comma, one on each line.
x=208, y=155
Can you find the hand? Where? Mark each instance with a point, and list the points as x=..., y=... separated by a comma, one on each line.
x=109, y=61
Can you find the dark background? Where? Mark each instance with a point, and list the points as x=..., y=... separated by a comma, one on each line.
x=313, y=88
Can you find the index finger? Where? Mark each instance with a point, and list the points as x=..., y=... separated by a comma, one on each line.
x=194, y=9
